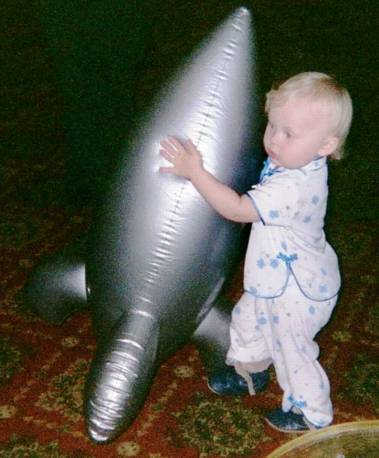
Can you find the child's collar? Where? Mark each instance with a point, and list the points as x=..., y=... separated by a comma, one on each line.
x=316, y=164
x=269, y=168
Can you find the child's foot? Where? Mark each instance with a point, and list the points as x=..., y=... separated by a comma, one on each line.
x=289, y=422
x=227, y=381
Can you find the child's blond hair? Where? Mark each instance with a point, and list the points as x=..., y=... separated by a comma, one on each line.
x=318, y=86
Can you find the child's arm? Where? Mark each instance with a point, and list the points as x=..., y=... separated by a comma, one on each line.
x=187, y=163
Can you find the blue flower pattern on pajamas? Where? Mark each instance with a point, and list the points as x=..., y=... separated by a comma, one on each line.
x=307, y=219
x=274, y=263
x=262, y=320
x=323, y=288
x=296, y=403
x=273, y=214
x=315, y=200
x=292, y=205
x=290, y=272
x=261, y=263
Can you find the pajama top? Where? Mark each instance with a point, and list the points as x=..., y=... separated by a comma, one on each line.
x=289, y=238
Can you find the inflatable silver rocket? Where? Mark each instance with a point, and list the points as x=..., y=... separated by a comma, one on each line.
x=158, y=255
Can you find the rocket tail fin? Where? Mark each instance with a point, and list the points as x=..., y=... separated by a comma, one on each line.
x=57, y=288
x=212, y=336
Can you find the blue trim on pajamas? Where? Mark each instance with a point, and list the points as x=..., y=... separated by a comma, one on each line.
x=256, y=208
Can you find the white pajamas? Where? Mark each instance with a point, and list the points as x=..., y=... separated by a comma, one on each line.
x=291, y=283
x=281, y=331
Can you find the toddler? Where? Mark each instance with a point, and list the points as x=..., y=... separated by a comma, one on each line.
x=291, y=277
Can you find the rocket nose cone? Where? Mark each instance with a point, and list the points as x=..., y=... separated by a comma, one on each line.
x=99, y=436
x=121, y=375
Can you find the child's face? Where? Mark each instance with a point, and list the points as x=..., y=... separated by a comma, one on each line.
x=297, y=132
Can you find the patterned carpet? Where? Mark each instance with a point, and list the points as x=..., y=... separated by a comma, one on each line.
x=43, y=367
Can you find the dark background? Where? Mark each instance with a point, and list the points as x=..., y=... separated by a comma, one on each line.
x=76, y=73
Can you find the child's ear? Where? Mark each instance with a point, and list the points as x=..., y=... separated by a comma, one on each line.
x=329, y=146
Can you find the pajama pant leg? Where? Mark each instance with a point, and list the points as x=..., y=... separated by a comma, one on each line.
x=247, y=343
x=282, y=330
x=295, y=320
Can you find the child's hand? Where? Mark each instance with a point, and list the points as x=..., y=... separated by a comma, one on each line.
x=184, y=157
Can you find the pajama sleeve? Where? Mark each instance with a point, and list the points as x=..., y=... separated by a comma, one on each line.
x=276, y=200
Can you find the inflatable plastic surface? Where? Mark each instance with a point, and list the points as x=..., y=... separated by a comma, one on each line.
x=158, y=255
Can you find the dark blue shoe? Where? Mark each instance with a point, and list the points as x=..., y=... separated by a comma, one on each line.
x=227, y=381
x=289, y=422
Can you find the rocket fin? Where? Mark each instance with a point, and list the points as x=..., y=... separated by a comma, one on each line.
x=57, y=288
x=212, y=336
